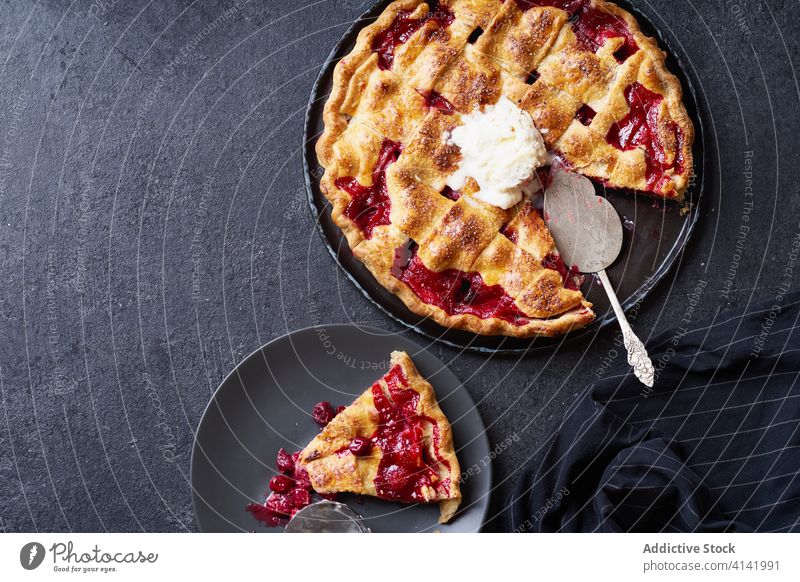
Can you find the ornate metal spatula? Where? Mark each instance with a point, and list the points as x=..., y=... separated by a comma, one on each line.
x=588, y=233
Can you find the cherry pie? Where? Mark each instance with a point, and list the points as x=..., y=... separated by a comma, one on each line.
x=596, y=88
x=393, y=442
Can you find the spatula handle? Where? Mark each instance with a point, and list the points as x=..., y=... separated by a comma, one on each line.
x=637, y=353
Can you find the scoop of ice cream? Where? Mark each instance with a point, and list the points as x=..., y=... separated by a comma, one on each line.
x=500, y=149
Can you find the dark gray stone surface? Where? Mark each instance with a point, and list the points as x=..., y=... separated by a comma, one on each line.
x=154, y=230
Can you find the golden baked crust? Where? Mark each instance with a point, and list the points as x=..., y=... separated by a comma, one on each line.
x=333, y=468
x=604, y=102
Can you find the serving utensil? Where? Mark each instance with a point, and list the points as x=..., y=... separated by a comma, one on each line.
x=326, y=517
x=588, y=234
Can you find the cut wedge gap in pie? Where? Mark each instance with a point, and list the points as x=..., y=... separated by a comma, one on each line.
x=393, y=442
x=599, y=95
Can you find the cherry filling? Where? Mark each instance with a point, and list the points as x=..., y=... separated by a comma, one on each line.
x=360, y=446
x=264, y=515
x=585, y=115
x=403, y=28
x=455, y=291
x=284, y=462
x=323, y=413
x=281, y=484
x=410, y=463
x=591, y=26
x=639, y=128
x=402, y=257
x=510, y=233
x=405, y=469
x=570, y=275
x=369, y=206
x=453, y=195
x=291, y=492
x=594, y=27
x=434, y=100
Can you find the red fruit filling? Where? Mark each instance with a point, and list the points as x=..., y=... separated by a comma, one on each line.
x=280, y=505
x=369, y=206
x=284, y=462
x=639, y=128
x=570, y=275
x=453, y=195
x=360, y=446
x=456, y=291
x=301, y=477
x=510, y=233
x=264, y=515
x=299, y=498
x=403, y=28
x=434, y=100
x=406, y=468
x=291, y=492
x=591, y=26
x=585, y=115
x=402, y=257
x=281, y=483
x=410, y=464
x=323, y=413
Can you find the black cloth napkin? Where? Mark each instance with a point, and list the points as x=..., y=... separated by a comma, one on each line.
x=714, y=447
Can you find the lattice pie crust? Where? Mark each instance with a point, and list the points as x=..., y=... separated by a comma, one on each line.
x=597, y=89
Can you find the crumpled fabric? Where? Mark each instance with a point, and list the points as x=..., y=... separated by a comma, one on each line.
x=714, y=447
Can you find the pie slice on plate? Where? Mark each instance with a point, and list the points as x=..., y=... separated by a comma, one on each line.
x=393, y=443
x=601, y=101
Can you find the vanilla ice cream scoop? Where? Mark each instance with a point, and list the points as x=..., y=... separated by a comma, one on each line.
x=500, y=149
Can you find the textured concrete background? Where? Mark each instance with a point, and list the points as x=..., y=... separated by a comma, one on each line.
x=154, y=230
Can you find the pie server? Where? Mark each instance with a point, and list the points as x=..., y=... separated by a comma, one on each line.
x=326, y=517
x=588, y=234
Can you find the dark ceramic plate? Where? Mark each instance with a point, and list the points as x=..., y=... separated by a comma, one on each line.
x=655, y=234
x=265, y=404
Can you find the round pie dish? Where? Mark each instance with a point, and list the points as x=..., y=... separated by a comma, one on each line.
x=468, y=273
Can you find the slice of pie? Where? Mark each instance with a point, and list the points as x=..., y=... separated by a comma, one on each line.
x=599, y=95
x=393, y=442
